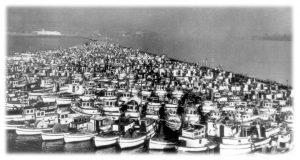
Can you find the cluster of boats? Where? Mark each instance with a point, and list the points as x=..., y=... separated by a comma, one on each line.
x=117, y=96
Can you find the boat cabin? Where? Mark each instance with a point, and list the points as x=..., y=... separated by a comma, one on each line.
x=80, y=123
x=29, y=112
x=122, y=125
x=195, y=132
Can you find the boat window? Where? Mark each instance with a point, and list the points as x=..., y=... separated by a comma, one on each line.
x=27, y=111
x=31, y=111
x=38, y=114
x=239, y=141
x=107, y=103
x=42, y=113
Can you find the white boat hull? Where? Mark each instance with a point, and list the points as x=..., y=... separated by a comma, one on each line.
x=243, y=148
x=133, y=142
x=13, y=127
x=52, y=136
x=158, y=145
x=102, y=141
x=61, y=101
x=30, y=131
x=197, y=149
x=68, y=138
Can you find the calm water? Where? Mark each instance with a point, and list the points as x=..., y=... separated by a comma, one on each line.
x=262, y=59
x=17, y=43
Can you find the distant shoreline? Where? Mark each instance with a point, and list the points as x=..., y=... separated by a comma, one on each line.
x=37, y=35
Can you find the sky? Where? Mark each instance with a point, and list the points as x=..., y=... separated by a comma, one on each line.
x=186, y=21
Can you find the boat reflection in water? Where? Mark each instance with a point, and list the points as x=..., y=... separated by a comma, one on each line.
x=79, y=147
x=53, y=146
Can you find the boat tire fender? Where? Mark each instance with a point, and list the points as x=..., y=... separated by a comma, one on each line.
x=253, y=147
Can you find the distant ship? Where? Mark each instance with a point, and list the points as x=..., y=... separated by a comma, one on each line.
x=50, y=33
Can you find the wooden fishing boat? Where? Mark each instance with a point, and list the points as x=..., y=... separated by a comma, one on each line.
x=58, y=131
x=78, y=137
x=159, y=144
x=133, y=105
x=47, y=136
x=164, y=139
x=111, y=137
x=152, y=108
x=37, y=129
x=106, y=139
x=242, y=142
x=13, y=125
x=193, y=139
x=137, y=137
x=173, y=122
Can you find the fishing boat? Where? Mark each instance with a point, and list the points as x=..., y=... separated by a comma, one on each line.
x=109, y=105
x=78, y=137
x=13, y=125
x=66, y=98
x=173, y=122
x=89, y=94
x=283, y=139
x=152, y=108
x=115, y=95
x=14, y=114
x=58, y=131
x=133, y=107
x=160, y=144
x=161, y=140
x=85, y=107
x=192, y=115
x=35, y=129
x=82, y=131
x=244, y=141
x=139, y=134
x=111, y=137
x=193, y=139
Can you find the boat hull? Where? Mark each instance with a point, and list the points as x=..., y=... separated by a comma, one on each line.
x=197, y=149
x=243, y=148
x=132, y=142
x=103, y=141
x=13, y=127
x=52, y=136
x=69, y=138
x=30, y=131
x=161, y=145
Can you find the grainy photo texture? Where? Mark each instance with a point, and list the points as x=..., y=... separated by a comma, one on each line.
x=179, y=80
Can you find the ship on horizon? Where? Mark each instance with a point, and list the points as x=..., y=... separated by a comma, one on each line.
x=48, y=33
